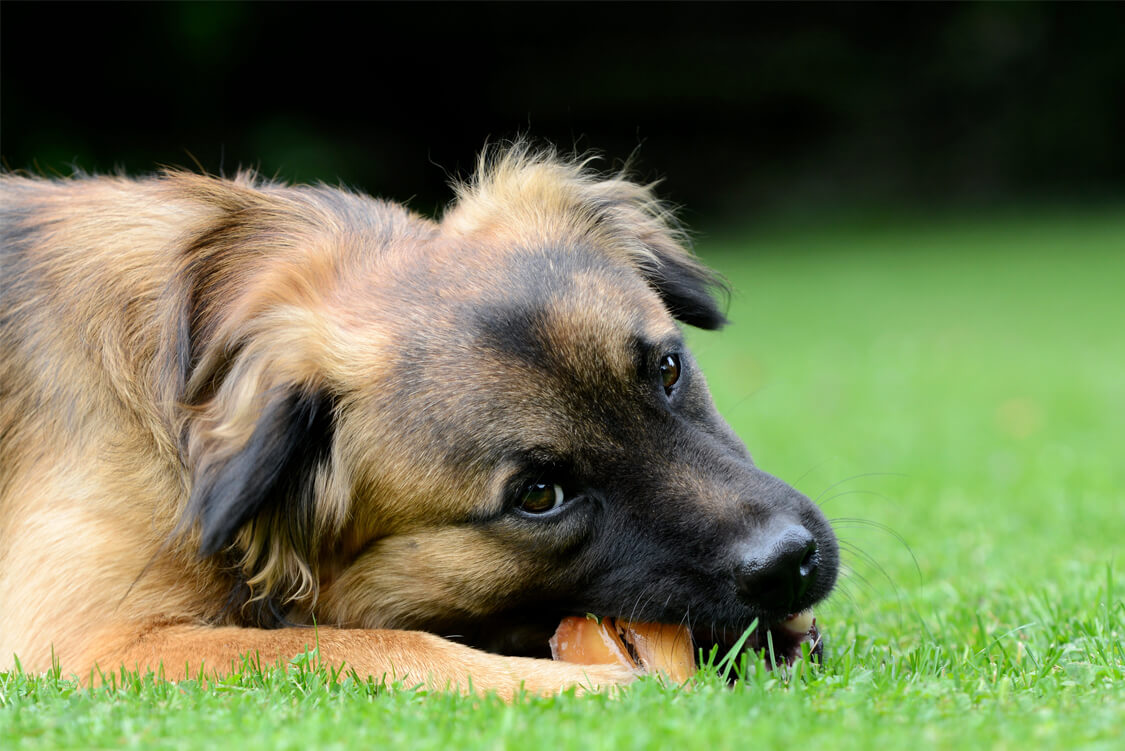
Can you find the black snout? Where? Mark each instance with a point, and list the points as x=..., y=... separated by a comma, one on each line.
x=775, y=579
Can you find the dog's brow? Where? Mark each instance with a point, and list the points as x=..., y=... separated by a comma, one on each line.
x=649, y=350
x=512, y=471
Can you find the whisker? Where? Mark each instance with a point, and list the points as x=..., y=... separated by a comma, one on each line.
x=858, y=477
x=849, y=521
x=843, y=590
x=873, y=493
x=852, y=574
x=808, y=472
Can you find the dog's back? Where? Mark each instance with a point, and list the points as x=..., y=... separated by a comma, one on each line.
x=82, y=267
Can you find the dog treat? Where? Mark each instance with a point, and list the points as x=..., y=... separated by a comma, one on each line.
x=653, y=647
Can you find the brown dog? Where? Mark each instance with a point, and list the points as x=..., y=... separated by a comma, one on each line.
x=231, y=408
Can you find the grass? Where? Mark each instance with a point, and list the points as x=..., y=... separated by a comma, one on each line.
x=952, y=393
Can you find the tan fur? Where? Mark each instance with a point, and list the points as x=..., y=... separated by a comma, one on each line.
x=521, y=195
x=294, y=291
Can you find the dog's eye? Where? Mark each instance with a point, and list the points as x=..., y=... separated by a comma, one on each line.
x=669, y=372
x=541, y=497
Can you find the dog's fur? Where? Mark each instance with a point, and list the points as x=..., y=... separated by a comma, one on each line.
x=231, y=408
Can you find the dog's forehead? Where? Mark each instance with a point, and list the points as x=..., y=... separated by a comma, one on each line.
x=569, y=312
x=532, y=350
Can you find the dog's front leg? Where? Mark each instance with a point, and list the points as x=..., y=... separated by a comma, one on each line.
x=411, y=657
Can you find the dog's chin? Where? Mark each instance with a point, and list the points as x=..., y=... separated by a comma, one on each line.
x=781, y=642
x=509, y=635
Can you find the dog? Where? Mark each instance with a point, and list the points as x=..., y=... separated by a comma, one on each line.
x=239, y=417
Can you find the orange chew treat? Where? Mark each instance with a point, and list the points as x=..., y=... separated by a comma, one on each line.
x=584, y=641
x=661, y=647
x=656, y=647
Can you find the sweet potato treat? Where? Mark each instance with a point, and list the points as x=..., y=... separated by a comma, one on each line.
x=652, y=647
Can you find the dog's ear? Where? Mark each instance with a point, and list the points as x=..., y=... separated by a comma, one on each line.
x=244, y=373
x=270, y=475
x=521, y=195
x=688, y=291
x=661, y=251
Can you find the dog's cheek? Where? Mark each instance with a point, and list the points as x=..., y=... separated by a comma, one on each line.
x=436, y=576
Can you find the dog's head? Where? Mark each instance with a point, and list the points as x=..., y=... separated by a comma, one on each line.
x=479, y=426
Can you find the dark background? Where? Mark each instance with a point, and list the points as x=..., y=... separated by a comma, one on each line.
x=746, y=110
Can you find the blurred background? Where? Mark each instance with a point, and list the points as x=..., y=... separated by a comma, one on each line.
x=747, y=110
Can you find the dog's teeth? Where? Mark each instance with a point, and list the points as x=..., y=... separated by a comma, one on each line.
x=800, y=623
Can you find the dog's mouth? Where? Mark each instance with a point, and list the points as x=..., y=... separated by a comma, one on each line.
x=782, y=642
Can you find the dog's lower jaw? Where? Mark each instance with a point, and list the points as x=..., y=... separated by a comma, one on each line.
x=779, y=643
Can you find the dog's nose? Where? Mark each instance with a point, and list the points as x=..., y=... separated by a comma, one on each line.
x=777, y=577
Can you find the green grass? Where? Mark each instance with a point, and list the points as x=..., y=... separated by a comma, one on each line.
x=953, y=393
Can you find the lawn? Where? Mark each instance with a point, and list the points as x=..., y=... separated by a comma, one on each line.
x=953, y=394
